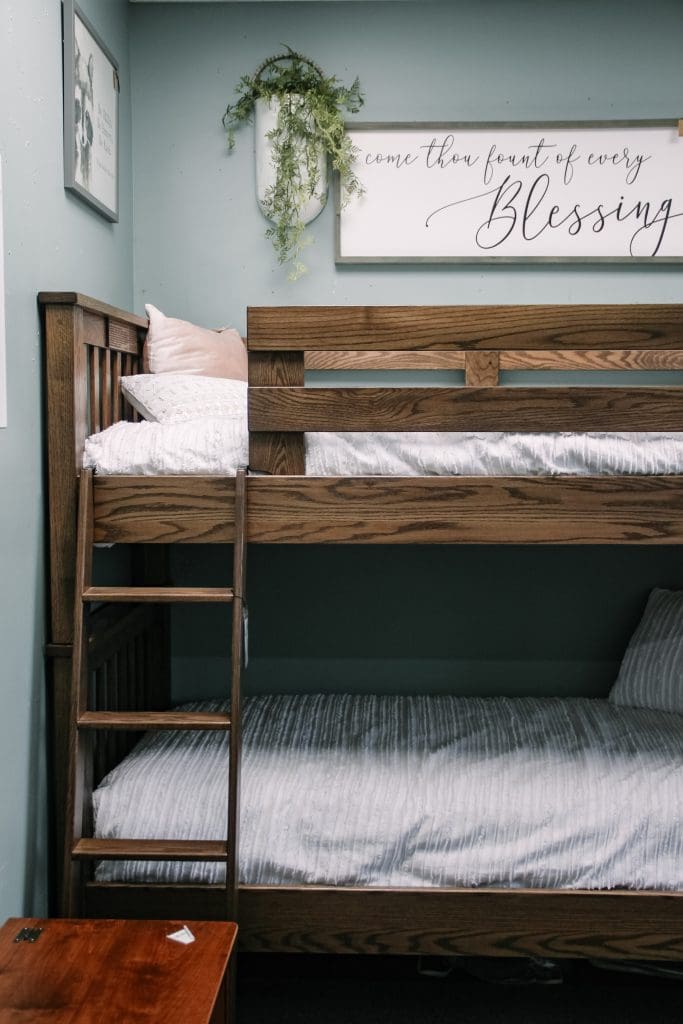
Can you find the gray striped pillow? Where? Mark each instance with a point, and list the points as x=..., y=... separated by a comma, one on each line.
x=651, y=674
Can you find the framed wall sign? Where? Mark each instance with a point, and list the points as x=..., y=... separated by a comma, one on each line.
x=91, y=115
x=530, y=192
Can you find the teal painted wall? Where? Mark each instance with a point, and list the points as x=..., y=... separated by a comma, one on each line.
x=51, y=241
x=458, y=619
x=200, y=250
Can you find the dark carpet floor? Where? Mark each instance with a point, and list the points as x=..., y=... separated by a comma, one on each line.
x=377, y=990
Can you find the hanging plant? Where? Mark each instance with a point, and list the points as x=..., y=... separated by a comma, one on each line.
x=303, y=113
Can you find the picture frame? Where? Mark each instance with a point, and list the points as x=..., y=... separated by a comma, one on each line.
x=514, y=192
x=91, y=114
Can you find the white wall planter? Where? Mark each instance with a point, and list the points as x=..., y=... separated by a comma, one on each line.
x=265, y=121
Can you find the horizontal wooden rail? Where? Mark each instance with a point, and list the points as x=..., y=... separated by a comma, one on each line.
x=150, y=849
x=493, y=408
x=91, y=305
x=298, y=328
x=197, y=721
x=565, y=359
x=395, y=510
x=160, y=595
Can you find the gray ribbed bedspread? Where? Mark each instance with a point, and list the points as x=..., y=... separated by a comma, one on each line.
x=417, y=791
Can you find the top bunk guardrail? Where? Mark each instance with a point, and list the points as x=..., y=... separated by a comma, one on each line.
x=482, y=341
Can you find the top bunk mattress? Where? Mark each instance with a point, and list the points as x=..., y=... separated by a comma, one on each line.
x=220, y=445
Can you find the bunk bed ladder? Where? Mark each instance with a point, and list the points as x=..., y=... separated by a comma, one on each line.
x=80, y=847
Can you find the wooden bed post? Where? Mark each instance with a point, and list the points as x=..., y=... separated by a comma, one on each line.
x=276, y=453
x=65, y=368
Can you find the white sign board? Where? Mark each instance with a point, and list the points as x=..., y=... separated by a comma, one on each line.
x=527, y=193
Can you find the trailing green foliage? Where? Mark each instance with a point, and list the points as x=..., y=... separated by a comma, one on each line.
x=310, y=121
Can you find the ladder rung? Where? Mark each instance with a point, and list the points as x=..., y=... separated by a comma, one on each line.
x=198, y=720
x=150, y=849
x=160, y=594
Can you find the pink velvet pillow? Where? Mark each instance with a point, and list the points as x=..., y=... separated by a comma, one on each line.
x=176, y=346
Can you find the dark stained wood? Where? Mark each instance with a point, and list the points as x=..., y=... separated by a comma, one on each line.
x=488, y=922
x=297, y=328
x=114, y=972
x=189, y=595
x=636, y=359
x=397, y=510
x=125, y=337
x=466, y=510
x=94, y=329
x=201, y=721
x=90, y=305
x=237, y=658
x=271, y=452
x=470, y=408
x=150, y=849
x=163, y=510
x=79, y=780
x=384, y=360
x=481, y=369
x=205, y=902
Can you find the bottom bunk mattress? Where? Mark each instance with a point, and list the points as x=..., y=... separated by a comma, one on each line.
x=415, y=791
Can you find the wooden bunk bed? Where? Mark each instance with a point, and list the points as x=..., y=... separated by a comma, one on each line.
x=89, y=345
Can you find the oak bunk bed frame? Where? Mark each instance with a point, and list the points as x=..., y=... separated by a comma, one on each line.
x=89, y=345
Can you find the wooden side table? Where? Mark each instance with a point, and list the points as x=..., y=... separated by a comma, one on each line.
x=111, y=972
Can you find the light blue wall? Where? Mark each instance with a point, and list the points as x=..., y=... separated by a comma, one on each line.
x=199, y=248
x=52, y=241
x=199, y=252
x=395, y=618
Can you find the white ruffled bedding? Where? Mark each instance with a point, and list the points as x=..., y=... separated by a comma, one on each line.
x=416, y=791
x=220, y=445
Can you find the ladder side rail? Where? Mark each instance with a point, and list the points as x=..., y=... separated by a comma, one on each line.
x=237, y=657
x=78, y=773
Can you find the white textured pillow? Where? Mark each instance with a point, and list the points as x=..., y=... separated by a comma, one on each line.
x=177, y=346
x=179, y=397
x=651, y=674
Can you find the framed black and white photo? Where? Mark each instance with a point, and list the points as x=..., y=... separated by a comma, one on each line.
x=91, y=115
x=515, y=193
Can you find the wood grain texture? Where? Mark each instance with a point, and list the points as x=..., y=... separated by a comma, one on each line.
x=627, y=359
x=485, y=922
x=113, y=972
x=471, y=408
x=198, y=721
x=481, y=369
x=466, y=510
x=384, y=360
x=488, y=922
x=161, y=595
x=150, y=849
x=396, y=510
x=297, y=328
x=276, y=452
x=162, y=510
x=91, y=305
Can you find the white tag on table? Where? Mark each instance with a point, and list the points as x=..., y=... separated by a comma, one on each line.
x=184, y=936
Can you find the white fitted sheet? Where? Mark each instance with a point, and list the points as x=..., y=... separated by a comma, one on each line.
x=416, y=791
x=221, y=445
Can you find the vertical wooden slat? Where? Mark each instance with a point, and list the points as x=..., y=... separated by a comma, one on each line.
x=272, y=452
x=482, y=369
x=95, y=388
x=107, y=389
